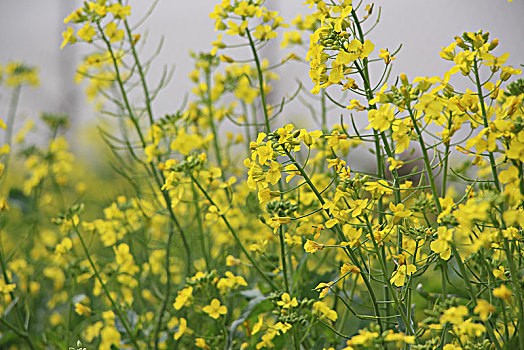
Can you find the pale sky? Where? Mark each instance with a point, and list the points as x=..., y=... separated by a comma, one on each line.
x=30, y=30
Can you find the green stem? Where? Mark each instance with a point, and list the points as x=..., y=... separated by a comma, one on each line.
x=446, y=155
x=200, y=224
x=106, y=291
x=350, y=252
x=283, y=257
x=383, y=267
x=158, y=178
x=121, y=86
x=11, y=114
x=246, y=128
x=471, y=292
x=209, y=105
x=485, y=121
x=140, y=72
x=167, y=295
x=234, y=233
x=21, y=334
x=427, y=162
x=260, y=81
x=518, y=292
x=507, y=249
x=323, y=113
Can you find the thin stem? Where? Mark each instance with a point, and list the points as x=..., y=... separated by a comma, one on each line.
x=11, y=114
x=427, y=162
x=340, y=234
x=106, y=291
x=283, y=257
x=260, y=81
x=158, y=178
x=200, y=226
x=209, y=104
x=234, y=233
x=486, y=125
x=518, y=291
x=167, y=295
x=140, y=72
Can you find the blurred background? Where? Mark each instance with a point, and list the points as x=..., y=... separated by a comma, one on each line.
x=30, y=31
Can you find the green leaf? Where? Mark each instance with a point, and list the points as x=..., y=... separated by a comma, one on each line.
x=256, y=297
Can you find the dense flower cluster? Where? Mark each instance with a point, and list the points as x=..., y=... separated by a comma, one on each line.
x=228, y=228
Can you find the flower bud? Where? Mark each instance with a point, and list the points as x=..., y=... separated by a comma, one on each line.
x=227, y=59
x=493, y=44
x=504, y=75
x=404, y=79
x=494, y=94
x=308, y=140
x=461, y=43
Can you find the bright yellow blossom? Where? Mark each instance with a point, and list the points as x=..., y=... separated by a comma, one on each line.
x=214, y=309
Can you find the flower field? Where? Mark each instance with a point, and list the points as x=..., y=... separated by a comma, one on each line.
x=229, y=224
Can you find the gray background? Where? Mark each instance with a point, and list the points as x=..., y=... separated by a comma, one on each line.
x=30, y=30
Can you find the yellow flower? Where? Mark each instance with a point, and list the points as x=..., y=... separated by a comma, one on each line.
x=232, y=261
x=98, y=9
x=69, y=37
x=364, y=337
x=483, y=308
x=109, y=337
x=394, y=163
x=399, y=276
x=182, y=297
x=385, y=55
x=119, y=11
x=347, y=268
x=235, y=29
x=87, y=32
x=399, y=338
x=82, y=310
x=441, y=245
x=401, y=136
x=276, y=221
x=398, y=212
x=214, y=309
x=358, y=206
x=382, y=118
x=324, y=288
x=454, y=315
x=503, y=292
x=6, y=288
x=282, y=327
x=312, y=246
x=201, y=343
x=355, y=50
x=113, y=32
x=182, y=328
x=500, y=273
x=258, y=325
x=381, y=187
x=287, y=302
x=264, y=32
x=93, y=331
x=319, y=307
x=356, y=105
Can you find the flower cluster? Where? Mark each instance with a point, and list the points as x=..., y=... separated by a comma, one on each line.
x=220, y=225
